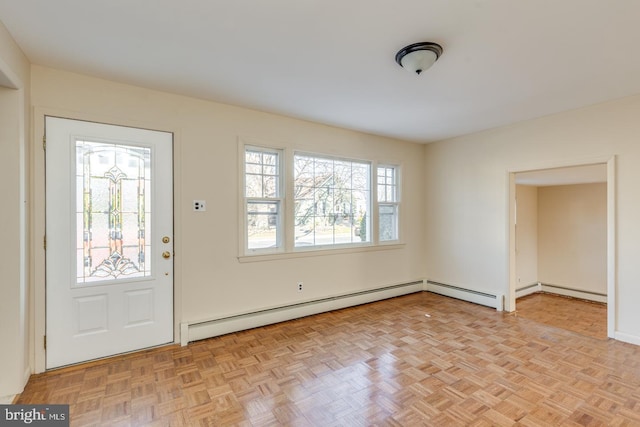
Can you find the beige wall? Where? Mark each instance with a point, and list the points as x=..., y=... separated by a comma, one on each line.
x=210, y=280
x=527, y=235
x=468, y=195
x=561, y=236
x=572, y=239
x=455, y=198
x=14, y=125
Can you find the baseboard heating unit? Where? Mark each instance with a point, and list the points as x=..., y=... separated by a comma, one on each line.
x=561, y=290
x=483, y=298
x=572, y=292
x=528, y=290
x=194, y=331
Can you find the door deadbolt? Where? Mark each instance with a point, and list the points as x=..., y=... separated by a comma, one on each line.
x=166, y=239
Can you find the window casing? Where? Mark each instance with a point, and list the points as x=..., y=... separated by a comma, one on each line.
x=263, y=199
x=293, y=202
x=388, y=203
x=332, y=201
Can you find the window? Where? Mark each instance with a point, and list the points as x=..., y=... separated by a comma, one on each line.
x=263, y=200
x=331, y=201
x=388, y=203
x=294, y=201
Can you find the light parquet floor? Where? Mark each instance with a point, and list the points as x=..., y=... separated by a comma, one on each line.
x=585, y=317
x=384, y=364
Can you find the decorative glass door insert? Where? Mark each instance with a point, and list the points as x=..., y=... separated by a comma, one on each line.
x=113, y=215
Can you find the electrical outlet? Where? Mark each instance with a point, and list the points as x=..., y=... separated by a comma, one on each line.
x=300, y=286
x=199, y=206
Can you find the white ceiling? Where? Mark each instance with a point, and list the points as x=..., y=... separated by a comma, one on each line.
x=332, y=61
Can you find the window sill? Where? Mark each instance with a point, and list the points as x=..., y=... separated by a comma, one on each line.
x=306, y=253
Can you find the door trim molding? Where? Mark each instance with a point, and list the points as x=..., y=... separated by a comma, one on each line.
x=21, y=362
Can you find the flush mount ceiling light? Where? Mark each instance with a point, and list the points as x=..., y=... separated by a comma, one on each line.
x=418, y=57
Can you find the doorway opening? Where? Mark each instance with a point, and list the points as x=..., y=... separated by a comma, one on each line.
x=561, y=251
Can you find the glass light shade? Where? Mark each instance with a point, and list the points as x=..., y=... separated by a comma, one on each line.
x=418, y=60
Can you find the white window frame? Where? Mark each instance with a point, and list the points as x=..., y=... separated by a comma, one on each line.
x=278, y=200
x=285, y=223
x=369, y=209
x=389, y=199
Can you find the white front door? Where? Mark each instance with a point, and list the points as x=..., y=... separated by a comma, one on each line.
x=109, y=242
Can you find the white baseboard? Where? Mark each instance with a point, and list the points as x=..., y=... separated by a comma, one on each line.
x=193, y=331
x=25, y=376
x=571, y=292
x=7, y=400
x=483, y=298
x=628, y=338
x=528, y=290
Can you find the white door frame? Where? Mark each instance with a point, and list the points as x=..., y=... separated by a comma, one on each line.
x=37, y=221
x=611, y=234
x=20, y=360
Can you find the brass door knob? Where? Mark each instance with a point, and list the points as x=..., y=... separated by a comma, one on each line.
x=166, y=254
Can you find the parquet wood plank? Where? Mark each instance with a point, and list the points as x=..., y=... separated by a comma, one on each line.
x=562, y=312
x=383, y=364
